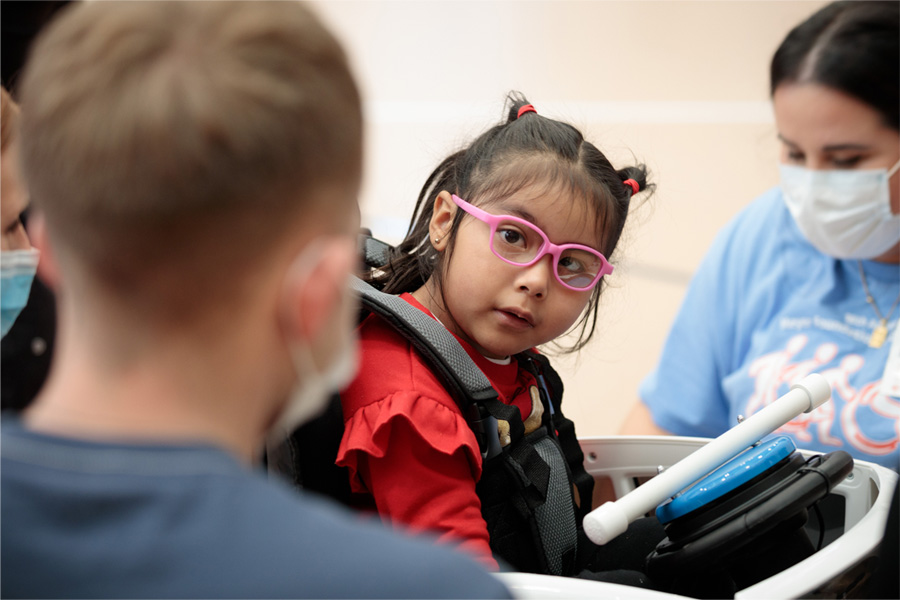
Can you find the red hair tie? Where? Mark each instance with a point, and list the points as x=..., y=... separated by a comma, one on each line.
x=525, y=109
x=634, y=185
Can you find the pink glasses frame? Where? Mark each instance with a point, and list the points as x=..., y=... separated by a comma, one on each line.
x=547, y=248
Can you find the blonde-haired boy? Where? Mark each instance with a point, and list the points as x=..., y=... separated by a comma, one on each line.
x=194, y=167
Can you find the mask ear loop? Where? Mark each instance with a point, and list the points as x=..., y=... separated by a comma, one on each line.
x=314, y=382
x=893, y=169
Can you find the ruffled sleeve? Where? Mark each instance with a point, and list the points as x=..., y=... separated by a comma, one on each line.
x=418, y=460
x=369, y=431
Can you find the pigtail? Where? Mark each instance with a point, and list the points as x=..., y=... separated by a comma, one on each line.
x=517, y=107
x=635, y=179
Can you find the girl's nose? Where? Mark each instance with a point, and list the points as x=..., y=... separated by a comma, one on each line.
x=535, y=280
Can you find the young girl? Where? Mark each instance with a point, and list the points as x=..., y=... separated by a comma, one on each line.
x=507, y=249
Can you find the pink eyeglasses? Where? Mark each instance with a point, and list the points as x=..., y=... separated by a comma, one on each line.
x=518, y=242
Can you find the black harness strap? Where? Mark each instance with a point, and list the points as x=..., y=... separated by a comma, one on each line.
x=483, y=418
x=551, y=387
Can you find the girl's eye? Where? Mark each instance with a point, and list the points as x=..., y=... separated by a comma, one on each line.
x=794, y=156
x=571, y=265
x=511, y=237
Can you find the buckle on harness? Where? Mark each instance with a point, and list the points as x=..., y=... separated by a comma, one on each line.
x=484, y=426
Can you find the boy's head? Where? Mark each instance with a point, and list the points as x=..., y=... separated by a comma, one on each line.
x=171, y=146
x=195, y=167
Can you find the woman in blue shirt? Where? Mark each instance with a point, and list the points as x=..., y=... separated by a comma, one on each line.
x=806, y=278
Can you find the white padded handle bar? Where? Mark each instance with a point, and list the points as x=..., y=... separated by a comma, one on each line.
x=612, y=518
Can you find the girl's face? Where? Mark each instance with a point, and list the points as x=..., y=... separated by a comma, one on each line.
x=821, y=128
x=499, y=308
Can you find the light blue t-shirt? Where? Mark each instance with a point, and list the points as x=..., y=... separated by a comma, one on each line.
x=764, y=310
x=105, y=520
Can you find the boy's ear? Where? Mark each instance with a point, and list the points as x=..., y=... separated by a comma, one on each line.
x=441, y=220
x=47, y=269
x=315, y=288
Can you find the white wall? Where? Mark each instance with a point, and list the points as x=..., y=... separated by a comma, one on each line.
x=680, y=85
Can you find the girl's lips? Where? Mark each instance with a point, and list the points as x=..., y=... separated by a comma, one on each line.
x=515, y=320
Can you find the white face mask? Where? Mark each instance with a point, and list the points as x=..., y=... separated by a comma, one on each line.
x=314, y=389
x=844, y=214
x=315, y=384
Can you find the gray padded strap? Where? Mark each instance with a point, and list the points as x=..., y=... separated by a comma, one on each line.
x=463, y=378
x=556, y=517
x=375, y=253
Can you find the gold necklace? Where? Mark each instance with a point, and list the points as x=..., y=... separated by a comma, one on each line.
x=879, y=334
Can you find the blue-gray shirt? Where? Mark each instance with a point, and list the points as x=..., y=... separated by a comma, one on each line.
x=87, y=519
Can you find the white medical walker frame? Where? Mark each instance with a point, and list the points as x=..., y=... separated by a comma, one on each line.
x=624, y=461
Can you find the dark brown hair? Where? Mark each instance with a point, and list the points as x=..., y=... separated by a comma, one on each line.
x=850, y=46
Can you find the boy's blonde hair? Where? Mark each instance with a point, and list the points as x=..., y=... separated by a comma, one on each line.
x=184, y=135
x=9, y=118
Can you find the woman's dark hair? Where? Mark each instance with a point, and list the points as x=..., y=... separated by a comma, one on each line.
x=850, y=46
x=522, y=151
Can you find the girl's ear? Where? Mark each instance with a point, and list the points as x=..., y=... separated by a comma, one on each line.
x=441, y=220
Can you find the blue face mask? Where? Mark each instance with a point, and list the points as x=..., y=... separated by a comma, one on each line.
x=17, y=269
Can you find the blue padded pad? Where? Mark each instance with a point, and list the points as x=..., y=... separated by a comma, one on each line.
x=733, y=474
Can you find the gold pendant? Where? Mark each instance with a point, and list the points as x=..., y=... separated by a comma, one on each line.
x=879, y=334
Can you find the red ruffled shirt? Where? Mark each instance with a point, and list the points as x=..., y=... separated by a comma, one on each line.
x=407, y=445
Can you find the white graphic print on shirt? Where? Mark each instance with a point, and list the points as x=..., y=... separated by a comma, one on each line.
x=861, y=410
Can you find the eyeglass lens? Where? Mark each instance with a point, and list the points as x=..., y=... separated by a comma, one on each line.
x=520, y=244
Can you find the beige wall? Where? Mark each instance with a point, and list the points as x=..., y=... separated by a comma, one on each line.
x=681, y=85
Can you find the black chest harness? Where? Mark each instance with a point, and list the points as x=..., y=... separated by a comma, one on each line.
x=529, y=480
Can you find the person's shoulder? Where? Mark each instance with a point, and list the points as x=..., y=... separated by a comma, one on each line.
x=770, y=200
x=766, y=214
x=388, y=364
x=336, y=553
x=10, y=423
x=12, y=437
x=759, y=233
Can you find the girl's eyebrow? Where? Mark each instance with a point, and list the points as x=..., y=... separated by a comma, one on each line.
x=830, y=148
x=523, y=214
x=515, y=212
